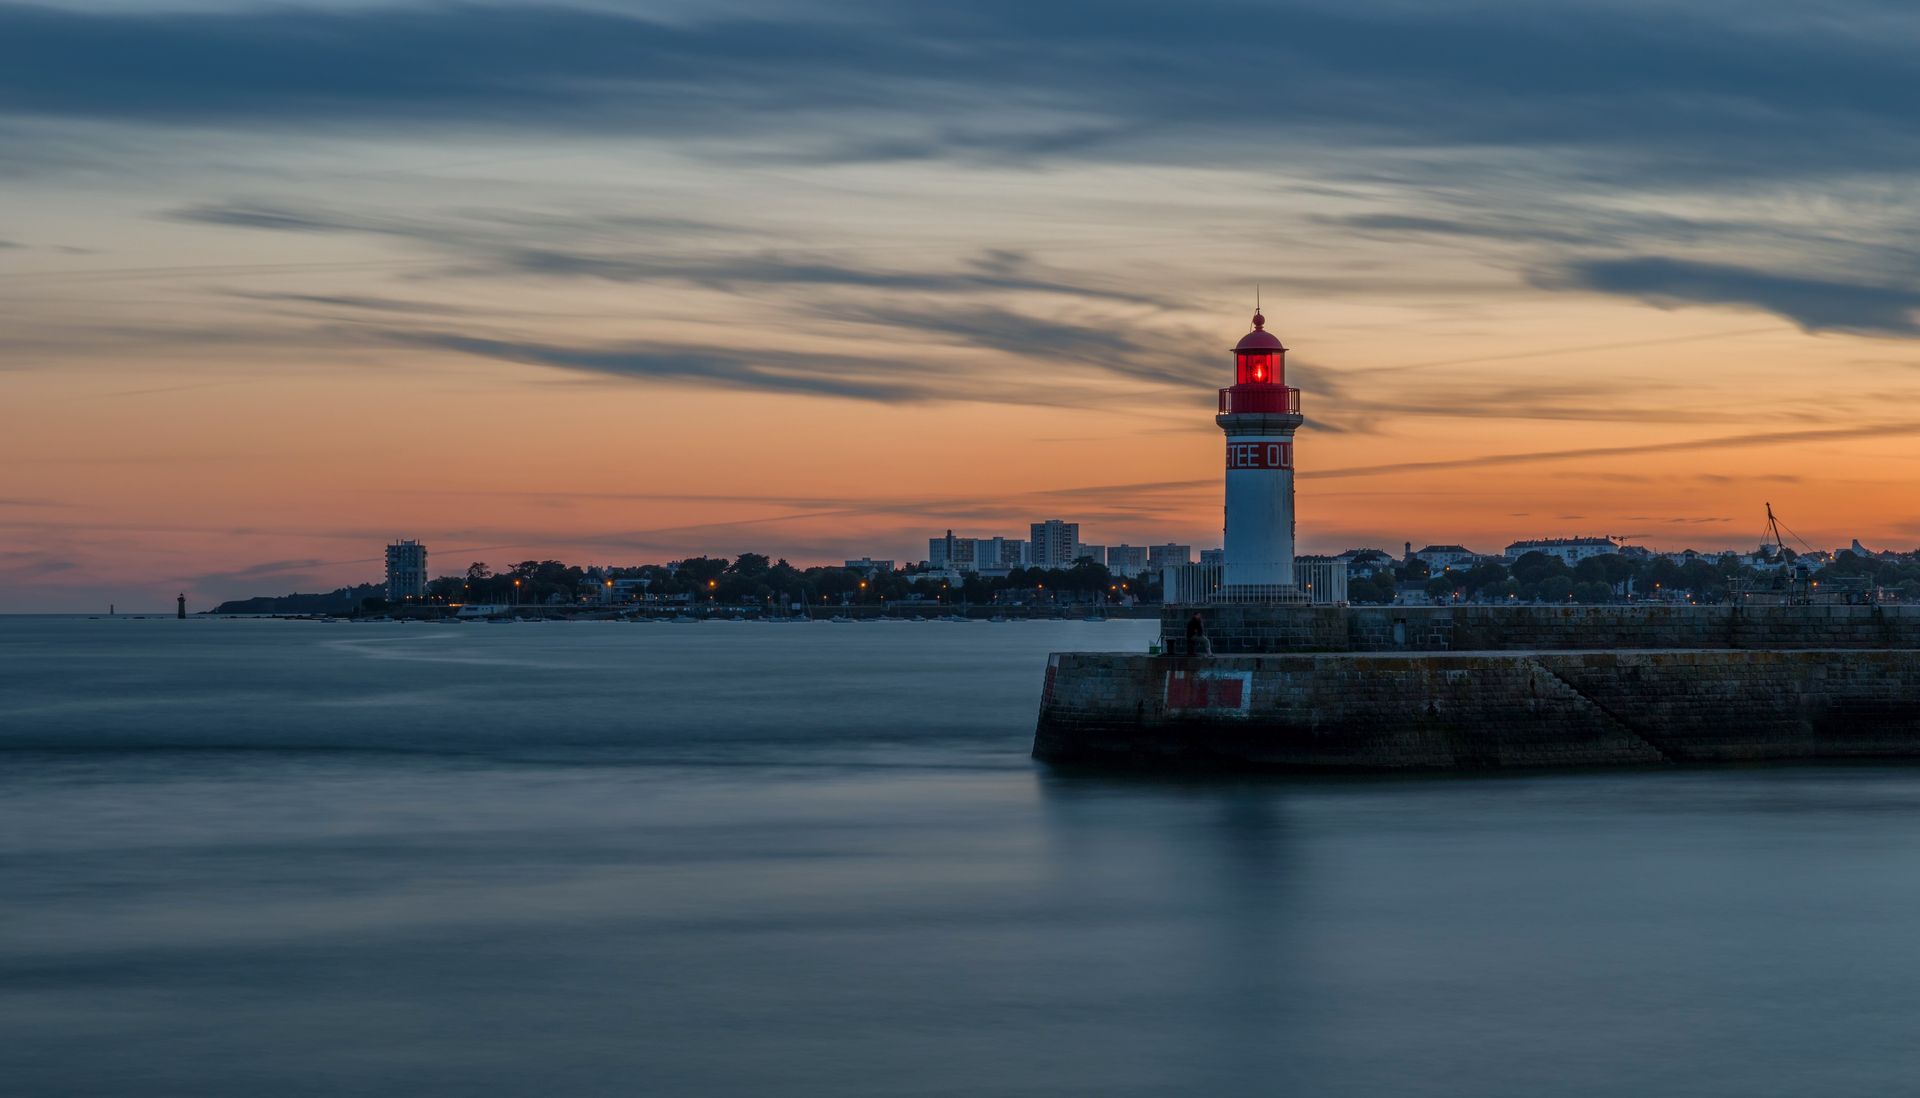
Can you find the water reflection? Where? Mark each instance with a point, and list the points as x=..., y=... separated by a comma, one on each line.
x=721, y=889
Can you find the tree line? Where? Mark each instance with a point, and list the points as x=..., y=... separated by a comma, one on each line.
x=1610, y=577
x=755, y=579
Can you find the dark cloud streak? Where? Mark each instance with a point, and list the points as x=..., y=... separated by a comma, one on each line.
x=1666, y=91
x=1815, y=304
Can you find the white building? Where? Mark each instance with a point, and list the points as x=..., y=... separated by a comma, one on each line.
x=868, y=566
x=1213, y=556
x=1439, y=558
x=1365, y=562
x=1054, y=544
x=406, y=570
x=1570, y=550
x=1095, y=553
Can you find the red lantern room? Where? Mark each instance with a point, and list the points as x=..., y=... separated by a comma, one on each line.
x=1260, y=375
x=1258, y=357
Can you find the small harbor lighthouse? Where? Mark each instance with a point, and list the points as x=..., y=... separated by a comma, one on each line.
x=1259, y=413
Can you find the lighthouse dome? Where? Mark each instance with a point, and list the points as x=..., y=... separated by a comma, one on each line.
x=1259, y=339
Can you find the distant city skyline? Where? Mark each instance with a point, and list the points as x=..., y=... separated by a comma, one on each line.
x=407, y=558
x=407, y=574
x=637, y=281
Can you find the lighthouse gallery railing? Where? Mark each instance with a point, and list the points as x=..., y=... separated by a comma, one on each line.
x=1322, y=579
x=1276, y=399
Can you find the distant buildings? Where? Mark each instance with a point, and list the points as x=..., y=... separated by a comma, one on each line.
x=960, y=555
x=1570, y=550
x=999, y=554
x=406, y=570
x=868, y=566
x=1053, y=544
x=1056, y=544
x=1168, y=555
x=1127, y=560
x=1439, y=558
x=951, y=552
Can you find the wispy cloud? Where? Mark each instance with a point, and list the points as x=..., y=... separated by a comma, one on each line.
x=366, y=303
x=457, y=227
x=628, y=248
x=1115, y=344
x=991, y=271
x=765, y=371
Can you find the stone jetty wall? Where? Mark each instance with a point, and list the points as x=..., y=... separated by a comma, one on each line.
x=1376, y=711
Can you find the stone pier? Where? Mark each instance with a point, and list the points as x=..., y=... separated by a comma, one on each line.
x=1450, y=688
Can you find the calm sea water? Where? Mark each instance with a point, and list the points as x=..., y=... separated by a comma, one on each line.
x=278, y=858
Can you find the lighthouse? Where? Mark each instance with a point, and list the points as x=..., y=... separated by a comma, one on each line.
x=1259, y=413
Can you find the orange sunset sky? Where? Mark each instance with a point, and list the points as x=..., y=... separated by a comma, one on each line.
x=614, y=285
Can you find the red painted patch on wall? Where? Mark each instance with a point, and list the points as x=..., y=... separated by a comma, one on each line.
x=1204, y=690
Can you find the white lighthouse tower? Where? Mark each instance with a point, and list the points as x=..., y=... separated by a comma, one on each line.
x=1259, y=413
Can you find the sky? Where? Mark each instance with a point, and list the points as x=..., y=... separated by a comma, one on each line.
x=620, y=283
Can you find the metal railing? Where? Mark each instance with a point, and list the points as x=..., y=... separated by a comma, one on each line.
x=1322, y=581
x=1274, y=399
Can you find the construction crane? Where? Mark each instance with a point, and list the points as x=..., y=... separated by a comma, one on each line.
x=1772, y=534
x=1800, y=588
